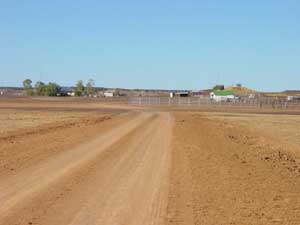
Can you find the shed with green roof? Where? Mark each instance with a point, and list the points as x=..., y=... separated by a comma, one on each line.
x=222, y=95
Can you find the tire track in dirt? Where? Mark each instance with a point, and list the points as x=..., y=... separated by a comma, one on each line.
x=119, y=178
x=24, y=148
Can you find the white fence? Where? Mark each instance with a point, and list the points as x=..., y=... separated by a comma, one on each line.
x=205, y=102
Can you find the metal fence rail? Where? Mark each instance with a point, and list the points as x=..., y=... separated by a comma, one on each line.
x=205, y=102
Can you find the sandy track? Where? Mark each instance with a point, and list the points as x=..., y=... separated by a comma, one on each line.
x=120, y=177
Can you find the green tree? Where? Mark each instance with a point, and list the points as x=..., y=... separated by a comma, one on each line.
x=27, y=84
x=51, y=89
x=90, y=87
x=79, y=88
x=40, y=88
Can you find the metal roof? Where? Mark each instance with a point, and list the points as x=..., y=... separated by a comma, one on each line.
x=223, y=93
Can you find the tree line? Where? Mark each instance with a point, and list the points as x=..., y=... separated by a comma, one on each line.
x=53, y=89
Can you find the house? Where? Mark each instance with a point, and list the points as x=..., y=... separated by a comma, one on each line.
x=222, y=96
x=66, y=91
x=108, y=94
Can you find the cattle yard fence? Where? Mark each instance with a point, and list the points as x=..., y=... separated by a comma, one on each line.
x=206, y=102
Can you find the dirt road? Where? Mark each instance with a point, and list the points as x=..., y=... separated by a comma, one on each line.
x=120, y=177
x=148, y=167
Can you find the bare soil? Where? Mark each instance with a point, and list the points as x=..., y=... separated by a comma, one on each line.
x=65, y=162
x=234, y=169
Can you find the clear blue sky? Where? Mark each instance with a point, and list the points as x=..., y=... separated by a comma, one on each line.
x=190, y=44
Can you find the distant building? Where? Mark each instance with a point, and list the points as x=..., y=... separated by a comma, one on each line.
x=66, y=91
x=222, y=96
x=219, y=87
x=108, y=94
x=206, y=93
x=196, y=93
x=293, y=98
x=183, y=94
x=252, y=96
x=12, y=91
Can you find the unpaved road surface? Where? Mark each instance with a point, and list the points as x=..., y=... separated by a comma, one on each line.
x=120, y=177
x=149, y=167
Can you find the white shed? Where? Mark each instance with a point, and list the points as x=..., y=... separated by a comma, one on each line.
x=108, y=94
x=222, y=96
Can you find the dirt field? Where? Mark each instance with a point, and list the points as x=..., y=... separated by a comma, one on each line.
x=64, y=162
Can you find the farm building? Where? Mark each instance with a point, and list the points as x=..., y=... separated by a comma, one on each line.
x=183, y=94
x=66, y=91
x=202, y=93
x=196, y=93
x=219, y=87
x=293, y=98
x=108, y=94
x=222, y=96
